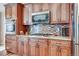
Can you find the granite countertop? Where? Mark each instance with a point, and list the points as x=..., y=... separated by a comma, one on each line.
x=45, y=37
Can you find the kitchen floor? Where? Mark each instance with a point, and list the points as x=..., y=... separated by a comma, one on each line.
x=11, y=54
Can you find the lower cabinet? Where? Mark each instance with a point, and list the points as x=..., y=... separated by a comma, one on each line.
x=38, y=47
x=65, y=51
x=24, y=46
x=59, y=48
x=43, y=47
x=11, y=44
x=20, y=47
x=33, y=47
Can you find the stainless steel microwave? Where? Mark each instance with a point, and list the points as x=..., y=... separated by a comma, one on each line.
x=40, y=17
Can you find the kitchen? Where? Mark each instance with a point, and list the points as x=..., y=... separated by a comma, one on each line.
x=41, y=29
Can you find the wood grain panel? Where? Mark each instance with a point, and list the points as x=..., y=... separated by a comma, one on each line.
x=11, y=44
x=8, y=11
x=20, y=47
x=45, y=7
x=59, y=48
x=55, y=13
x=36, y=7
x=19, y=21
x=65, y=12
x=26, y=47
x=34, y=49
x=43, y=47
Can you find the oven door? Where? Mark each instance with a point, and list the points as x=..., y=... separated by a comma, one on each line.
x=10, y=27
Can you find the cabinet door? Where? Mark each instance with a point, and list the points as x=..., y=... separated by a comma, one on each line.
x=36, y=7
x=33, y=47
x=43, y=47
x=26, y=47
x=65, y=51
x=64, y=13
x=20, y=47
x=8, y=11
x=53, y=49
x=45, y=7
x=65, y=48
x=27, y=14
x=14, y=11
x=55, y=13
x=11, y=44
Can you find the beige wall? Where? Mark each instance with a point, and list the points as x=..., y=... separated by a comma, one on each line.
x=2, y=24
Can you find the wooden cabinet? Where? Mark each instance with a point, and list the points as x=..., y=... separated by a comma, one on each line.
x=14, y=11
x=65, y=51
x=10, y=11
x=45, y=7
x=52, y=48
x=55, y=13
x=19, y=21
x=59, y=48
x=22, y=45
x=27, y=14
x=26, y=46
x=33, y=47
x=36, y=7
x=65, y=13
x=43, y=47
x=11, y=44
x=59, y=13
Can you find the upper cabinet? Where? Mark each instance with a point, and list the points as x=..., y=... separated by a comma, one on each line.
x=36, y=7
x=27, y=14
x=59, y=12
x=14, y=12
x=10, y=11
x=65, y=13
x=45, y=7
x=55, y=13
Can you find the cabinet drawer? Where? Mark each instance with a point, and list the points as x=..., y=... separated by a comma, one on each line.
x=33, y=42
x=11, y=37
x=10, y=41
x=59, y=43
x=42, y=42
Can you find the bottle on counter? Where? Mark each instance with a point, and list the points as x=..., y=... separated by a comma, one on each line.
x=21, y=33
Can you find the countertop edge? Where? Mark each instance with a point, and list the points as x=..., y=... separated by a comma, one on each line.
x=42, y=37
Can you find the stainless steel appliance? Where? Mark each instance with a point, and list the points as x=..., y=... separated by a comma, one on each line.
x=10, y=27
x=40, y=17
x=64, y=30
x=45, y=29
x=75, y=36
